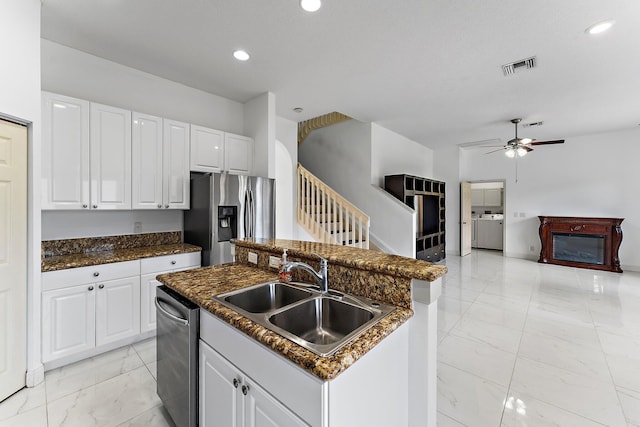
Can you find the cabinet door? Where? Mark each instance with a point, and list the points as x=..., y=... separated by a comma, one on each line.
x=117, y=310
x=146, y=160
x=68, y=321
x=110, y=157
x=65, y=152
x=262, y=410
x=220, y=398
x=176, y=165
x=207, y=149
x=477, y=197
x=493, y=197
x=148, y=285
x=238, y=154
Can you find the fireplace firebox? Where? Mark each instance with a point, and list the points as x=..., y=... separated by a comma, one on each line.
x=581, y=242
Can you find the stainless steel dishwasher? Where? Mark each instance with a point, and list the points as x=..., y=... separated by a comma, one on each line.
x=178, y=323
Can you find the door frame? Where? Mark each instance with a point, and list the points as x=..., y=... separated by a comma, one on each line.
x=504, y=209
x=35, y=368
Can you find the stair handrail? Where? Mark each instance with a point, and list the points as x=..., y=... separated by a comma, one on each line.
x=313, y=192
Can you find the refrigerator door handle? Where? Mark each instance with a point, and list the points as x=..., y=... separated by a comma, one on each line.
x=251, y=215
x=246, y=214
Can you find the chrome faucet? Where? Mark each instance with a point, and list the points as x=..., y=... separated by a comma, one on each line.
x=320, y=276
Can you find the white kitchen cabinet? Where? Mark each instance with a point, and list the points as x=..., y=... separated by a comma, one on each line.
x=486, y=197
x=490, y=232
x=238, y=154
x=68, y=321
x=493, y=197
x=207, y=149
x=160, y=158
x=146, y=159
x=110, y=157
x=87, y=307
x=149, y=269
x=175, y=165
x=117, y=310
x=65, y=152
x=230, y=398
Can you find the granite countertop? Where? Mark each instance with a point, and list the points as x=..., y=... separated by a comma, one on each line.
x=353, y=257
x=201, y=284
x=61, y=262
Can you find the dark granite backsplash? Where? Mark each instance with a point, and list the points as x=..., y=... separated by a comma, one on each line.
x=89, y=245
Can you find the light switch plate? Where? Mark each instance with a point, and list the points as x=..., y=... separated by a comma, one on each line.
x=274, y=262
x=253, y=258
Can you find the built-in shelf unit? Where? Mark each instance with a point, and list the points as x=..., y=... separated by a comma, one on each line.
x=426, y=196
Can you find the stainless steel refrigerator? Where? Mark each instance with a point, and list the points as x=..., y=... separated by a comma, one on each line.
x=225, y=207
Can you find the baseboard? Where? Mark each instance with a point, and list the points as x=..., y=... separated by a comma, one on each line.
x=35, y=376
x=629, y=267
x=531, y=257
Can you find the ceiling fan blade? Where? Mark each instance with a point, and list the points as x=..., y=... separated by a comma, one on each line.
x=557, y=141
x=526, y=147
x=493, y=151
x=490, y=146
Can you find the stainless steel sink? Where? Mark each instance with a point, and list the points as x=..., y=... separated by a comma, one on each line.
x=321, y=323
x=266, y=297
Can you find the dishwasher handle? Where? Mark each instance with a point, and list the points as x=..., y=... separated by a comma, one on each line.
x=164, y=312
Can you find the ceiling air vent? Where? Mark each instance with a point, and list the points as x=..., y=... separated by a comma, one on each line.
x=523, y=64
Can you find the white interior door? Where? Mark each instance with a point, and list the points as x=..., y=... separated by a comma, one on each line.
x=13, y=257
x=465, y=218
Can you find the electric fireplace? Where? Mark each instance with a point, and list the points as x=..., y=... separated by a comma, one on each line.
x=581, y=242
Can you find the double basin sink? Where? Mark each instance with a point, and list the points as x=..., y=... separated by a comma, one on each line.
x=321, y=323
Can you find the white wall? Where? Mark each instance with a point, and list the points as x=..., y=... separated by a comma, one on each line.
x=352, y=157
x=57, y=224
x=20, y=99
x=446, y=167
x=260, y=124
x=72, y=72
x=594, y=175
x=286, y=161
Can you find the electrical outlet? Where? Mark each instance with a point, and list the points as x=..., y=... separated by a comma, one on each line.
x=521, y=214
x=531, y=248
x=515, y=214
x=253, y=258
x=137, y=227
x=274, y=262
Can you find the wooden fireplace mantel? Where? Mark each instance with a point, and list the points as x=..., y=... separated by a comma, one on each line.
x=608, y=228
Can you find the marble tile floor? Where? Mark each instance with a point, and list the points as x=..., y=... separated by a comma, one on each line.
x=117, y=388
x=520, y=344
x=528, y=344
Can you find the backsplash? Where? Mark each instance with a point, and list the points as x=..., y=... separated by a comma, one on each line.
x=87, y=245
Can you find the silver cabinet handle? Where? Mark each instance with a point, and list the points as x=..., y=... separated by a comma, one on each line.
x=96, y=274
x=245, y=389
x=159, y=206
x=173, y=262
x=90, y=288
x=101, y=286
x=95, y=206
x=182, y=321
x=166, y=206
x=236, y=383
x=85, y=206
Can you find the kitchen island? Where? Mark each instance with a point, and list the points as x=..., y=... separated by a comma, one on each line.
x=391, y=363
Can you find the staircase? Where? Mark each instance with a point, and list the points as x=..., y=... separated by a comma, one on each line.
x=327, y=216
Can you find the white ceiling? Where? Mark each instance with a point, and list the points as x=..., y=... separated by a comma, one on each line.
x=427, y=69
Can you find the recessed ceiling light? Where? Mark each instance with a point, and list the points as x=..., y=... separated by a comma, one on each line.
x=600, y=27
x=298, y=110
x=310, y=5
x=241, y=55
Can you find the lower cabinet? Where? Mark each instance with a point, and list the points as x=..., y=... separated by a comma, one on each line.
x=230, y=398
x=117, y=310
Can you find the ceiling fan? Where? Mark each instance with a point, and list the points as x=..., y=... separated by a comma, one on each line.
x=521, y=146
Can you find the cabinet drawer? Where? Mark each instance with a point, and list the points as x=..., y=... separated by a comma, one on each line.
x=169, y=262
x=98, y=273
x=580, y=228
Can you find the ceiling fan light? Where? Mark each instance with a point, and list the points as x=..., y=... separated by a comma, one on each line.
x=510, y=153
x=526, y=140
x=521, y=151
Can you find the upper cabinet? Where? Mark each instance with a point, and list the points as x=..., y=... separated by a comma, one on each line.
x=65, y=152
x=110, y=153
x=96, y=156
x=486, y=197
x=216, y=151
x=175, y=166
x=207, y=149
x=160, y=159
x=238, y=154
